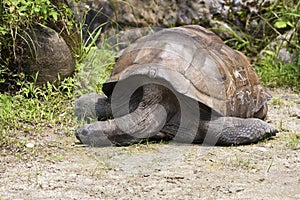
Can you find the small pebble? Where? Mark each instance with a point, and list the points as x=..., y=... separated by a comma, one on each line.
x=29, y=145
x=263, y=149
x=60, y=132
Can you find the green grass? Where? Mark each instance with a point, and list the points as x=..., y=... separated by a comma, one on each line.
x=293, y=141
x=95, y=69
x=31, y=111
x=275, y=73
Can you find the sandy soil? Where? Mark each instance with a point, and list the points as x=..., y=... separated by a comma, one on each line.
x=61, y=170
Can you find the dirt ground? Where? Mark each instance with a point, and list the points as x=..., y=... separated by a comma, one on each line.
x=62, y=170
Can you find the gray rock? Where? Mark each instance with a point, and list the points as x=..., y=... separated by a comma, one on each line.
x=46, y=53
x=285, y=56
x=281, y=46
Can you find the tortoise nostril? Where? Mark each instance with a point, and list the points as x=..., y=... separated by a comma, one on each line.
x=80, y=133
x=77, y=133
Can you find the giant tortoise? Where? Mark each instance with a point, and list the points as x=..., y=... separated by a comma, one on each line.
x=182, y=84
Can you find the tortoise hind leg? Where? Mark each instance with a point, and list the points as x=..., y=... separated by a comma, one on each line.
x=237, y=131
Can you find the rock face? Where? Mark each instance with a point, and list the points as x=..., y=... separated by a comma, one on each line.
x=142, y=13
x=46, y=53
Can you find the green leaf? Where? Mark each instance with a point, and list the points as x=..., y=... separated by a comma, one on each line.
x=23, y=9
x=281, y=24
x=54, y=15
x=269, y=52
x=4, y=30
x=290, y=24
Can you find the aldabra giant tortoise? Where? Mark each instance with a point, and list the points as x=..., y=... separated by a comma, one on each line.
x=180, y=83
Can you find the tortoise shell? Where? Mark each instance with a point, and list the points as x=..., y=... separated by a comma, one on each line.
x=197, y=64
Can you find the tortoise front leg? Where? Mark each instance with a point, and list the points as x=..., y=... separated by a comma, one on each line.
x=140, y=124
x=144, y=122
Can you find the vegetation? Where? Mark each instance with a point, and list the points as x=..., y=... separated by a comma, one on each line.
x=31, y=111
x=284, y=21
x=27, y=110
x=94, y=70
x=16, y=18
x=278, y=27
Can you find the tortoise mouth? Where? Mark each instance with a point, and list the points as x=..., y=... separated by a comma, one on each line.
x=77, y=133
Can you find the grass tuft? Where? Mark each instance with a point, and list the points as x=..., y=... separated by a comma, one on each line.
x=293, y=141
x=30, y=112
x=275, y=73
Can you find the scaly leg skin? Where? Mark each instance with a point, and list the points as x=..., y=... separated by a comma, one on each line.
x=144, y=122
x=239, y=131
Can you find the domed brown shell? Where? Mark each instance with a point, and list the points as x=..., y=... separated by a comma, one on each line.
x=197, y=64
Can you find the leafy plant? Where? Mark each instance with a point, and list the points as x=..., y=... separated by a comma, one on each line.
x=33, y=109
x=96, y=58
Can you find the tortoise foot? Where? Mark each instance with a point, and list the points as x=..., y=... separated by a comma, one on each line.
x=236, y=131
